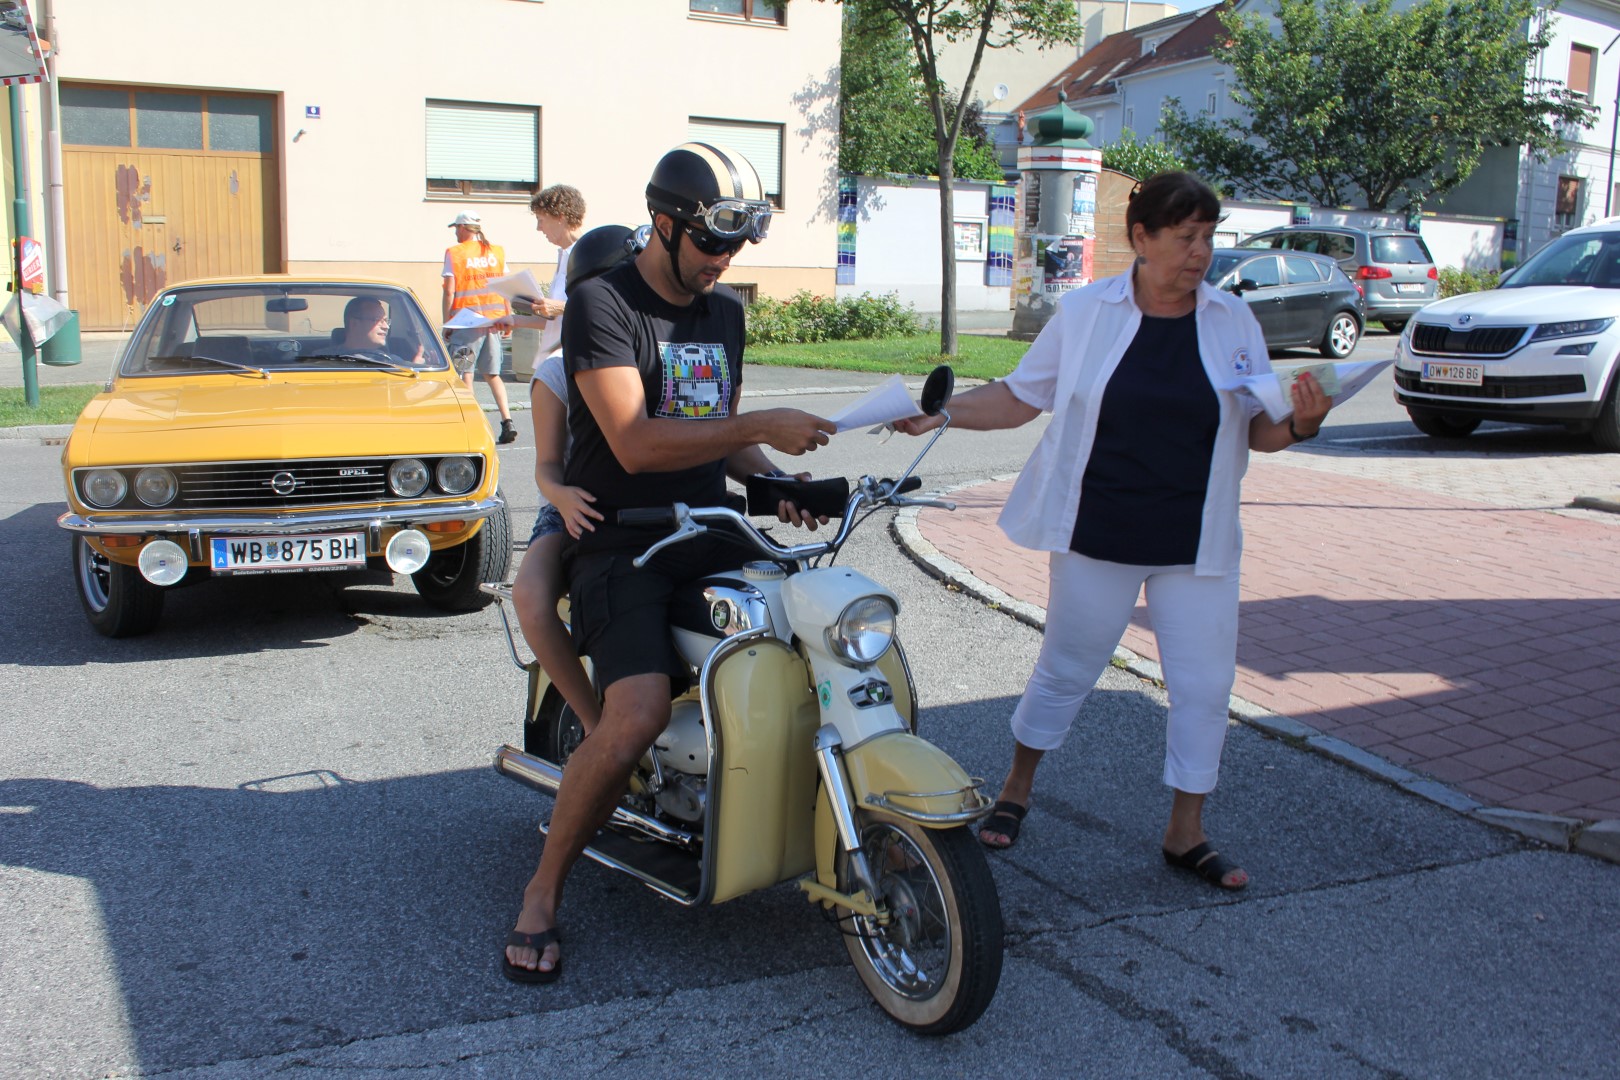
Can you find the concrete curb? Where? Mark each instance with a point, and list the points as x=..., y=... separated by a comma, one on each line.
x=1599, y=839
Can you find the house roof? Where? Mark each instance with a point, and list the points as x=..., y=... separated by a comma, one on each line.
x=1096, y=70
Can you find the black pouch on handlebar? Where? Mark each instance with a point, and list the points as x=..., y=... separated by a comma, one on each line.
x=823, y=498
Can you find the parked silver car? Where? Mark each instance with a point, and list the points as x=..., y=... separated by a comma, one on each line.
x=1392, y=267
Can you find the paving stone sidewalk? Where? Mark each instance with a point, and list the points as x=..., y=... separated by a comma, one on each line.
x=1478, y=644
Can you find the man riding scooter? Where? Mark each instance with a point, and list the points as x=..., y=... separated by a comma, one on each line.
x=653, y=350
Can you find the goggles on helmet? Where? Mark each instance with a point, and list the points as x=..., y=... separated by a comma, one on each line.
x=736, y=219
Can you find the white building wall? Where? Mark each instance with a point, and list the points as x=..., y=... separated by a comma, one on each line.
x=354, y=193
x=897, y=244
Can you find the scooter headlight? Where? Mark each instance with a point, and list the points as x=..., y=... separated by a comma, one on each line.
x=864, y=631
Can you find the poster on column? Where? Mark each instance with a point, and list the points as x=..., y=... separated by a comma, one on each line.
x=1065, y=264
x=1026, y=275
x=1083, y=206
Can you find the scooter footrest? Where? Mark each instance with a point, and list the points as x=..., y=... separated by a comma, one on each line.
x=666, y=869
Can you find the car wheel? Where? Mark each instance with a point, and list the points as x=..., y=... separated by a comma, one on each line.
x=451, y=577
x=1606, y=432
x=1341, y=336
x=1440, y=425
x=116, y=599
x=1394, y=326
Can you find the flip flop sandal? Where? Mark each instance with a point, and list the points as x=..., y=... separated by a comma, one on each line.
x=538, y=942
x=1207, y=863
x=1011, y=819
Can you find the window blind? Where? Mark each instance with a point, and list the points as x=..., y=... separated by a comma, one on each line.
x=761, y=144
x=482, y=142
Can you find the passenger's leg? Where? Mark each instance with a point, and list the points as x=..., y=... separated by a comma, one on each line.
x=538, y=587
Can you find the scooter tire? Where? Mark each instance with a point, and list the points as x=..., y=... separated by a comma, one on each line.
x=936, y=965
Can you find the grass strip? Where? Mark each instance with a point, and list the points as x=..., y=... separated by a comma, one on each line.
x=57, y=405
x=980, y=357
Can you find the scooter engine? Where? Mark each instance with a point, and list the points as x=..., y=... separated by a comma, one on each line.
x=683, y=753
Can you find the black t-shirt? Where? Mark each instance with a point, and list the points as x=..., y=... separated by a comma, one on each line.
x=1142, y=497
x=690, y=360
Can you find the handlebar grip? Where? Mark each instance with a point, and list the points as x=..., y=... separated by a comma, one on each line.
x=912, y=484
x=644, y=516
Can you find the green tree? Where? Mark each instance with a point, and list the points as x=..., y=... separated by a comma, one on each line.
x=1350, y=102
x=981, y=24
x=1140, y=158
x=884, y=120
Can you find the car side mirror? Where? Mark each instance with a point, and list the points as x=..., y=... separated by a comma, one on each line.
x=1503, y=278
x=1246, y=285
x=937, y=389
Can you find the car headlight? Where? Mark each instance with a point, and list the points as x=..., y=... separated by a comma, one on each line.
x=407, y=478
x=456, y=475
x=104, y=487
x=864, y=631
x=1571, y=329
x=156, y=487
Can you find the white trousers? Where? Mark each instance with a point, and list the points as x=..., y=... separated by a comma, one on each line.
x=1195, y=621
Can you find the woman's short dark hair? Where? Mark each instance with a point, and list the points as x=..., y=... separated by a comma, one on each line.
x=1169, y=199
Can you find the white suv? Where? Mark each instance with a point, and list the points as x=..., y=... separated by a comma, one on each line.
x=1540, y=348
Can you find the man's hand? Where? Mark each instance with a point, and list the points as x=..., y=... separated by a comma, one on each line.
x=917, y=425
x=794, y=431
x=789, y=514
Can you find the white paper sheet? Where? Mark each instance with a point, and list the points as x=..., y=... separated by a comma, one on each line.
x=467, y=319
x=885, y=403
x=1352, y=376
x=522, y=283
x=42, y=313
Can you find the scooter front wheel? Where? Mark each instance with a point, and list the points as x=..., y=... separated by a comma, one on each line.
x=933, y=964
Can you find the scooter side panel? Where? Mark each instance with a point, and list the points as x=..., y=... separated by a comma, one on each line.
x=892, y=665
x=766, y=714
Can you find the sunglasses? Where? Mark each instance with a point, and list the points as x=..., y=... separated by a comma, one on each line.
x=710, y=244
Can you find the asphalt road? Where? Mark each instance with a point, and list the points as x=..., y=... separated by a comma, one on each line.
x=267, y=839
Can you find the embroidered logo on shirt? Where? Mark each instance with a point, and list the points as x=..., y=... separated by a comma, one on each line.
x=697, y=381
x=1241, y=364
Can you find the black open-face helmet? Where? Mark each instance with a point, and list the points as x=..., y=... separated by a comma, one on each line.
x=713, y=188
x=601, y=249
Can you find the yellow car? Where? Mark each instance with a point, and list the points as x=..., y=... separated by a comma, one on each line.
x=280, y=425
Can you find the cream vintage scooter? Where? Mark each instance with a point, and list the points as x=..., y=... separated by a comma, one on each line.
x=795, y=758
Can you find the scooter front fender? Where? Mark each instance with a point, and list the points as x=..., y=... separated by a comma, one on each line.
x=906, y=776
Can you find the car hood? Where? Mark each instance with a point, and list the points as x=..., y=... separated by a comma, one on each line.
x=229, y=418
x=1525, y=306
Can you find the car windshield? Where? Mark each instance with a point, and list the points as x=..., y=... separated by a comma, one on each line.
x=1399, y=249
x=268, y=327
x=1592, y=259
x=1221, y=265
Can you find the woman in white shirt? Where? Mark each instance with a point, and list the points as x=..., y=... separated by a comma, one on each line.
x=1135, y=484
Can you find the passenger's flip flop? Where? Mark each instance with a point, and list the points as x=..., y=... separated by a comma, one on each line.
x=538, y=942
x=1006, y=818
x=1208, y=864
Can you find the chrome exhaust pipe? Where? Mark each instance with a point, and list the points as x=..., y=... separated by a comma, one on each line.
x=544, y=777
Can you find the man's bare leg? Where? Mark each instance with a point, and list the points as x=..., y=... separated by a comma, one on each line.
x=634, y=711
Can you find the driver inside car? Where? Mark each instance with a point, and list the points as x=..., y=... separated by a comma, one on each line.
x=365, y=332
x=653, y=351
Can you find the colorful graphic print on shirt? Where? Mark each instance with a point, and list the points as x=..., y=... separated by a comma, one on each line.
x=697, y=381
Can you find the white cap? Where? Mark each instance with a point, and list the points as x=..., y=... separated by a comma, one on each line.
x=470, y=220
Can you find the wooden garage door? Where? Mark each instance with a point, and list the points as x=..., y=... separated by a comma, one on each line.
x=164, y=186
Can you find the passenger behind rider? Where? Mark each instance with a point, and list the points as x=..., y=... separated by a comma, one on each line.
x=539, y=583
x=650, y=427
x=365, y=331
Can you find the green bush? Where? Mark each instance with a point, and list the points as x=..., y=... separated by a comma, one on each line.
x=1455, y=282
x=805, y=318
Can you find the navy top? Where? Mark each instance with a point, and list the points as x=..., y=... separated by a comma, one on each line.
x=1142, y=495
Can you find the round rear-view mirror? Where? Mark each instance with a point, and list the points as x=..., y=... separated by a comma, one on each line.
x=936, y=391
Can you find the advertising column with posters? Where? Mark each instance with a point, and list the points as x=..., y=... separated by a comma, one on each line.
x=1057, y=227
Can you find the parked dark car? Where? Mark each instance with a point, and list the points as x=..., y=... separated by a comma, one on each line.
x=1391, y=267
x=1300, y=300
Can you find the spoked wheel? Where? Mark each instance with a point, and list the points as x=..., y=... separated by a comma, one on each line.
x=935, y=962
x=556, y=732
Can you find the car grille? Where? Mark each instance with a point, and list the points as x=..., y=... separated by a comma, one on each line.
x=1497, y=387
x=1486, y=341
x=283, y=484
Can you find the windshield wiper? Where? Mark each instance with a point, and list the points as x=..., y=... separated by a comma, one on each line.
x=374, y=361
x=235, y=368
